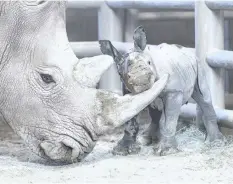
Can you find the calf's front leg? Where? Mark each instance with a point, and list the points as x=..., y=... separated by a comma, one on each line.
x=128, y=144
x=151, y=134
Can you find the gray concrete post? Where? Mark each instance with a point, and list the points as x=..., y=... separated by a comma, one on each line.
x=110, y=26
x=130, y=24
x=209, y=34
x=226, y=47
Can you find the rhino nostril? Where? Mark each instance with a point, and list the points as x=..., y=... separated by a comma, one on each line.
x=66, y=146
x=56, y=150
x=75, y=149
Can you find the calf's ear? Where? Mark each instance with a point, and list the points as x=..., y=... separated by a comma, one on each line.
x=139, y=38
x=107, y=48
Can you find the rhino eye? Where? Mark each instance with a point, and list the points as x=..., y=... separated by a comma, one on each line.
x=47, y=78
x=149, y=62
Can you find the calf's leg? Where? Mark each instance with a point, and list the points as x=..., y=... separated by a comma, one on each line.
x=172, y=103
x=151, y=134
x=208, y=115
x=128, y=144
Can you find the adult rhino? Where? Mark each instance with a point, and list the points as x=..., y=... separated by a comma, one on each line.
x=59, y=116
x=138, y=70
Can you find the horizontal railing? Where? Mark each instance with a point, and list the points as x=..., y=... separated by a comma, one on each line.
x=151, y=4
x=178, y=15
x=219, y=4
x=220, y=59
x=216, y=58
x=155, y=4
x=224, y=117
x=88, y=49
x=139, y=4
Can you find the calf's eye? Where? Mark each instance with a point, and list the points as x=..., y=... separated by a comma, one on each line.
x=47, y=78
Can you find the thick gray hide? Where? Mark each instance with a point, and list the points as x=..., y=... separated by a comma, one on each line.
x=48, y=96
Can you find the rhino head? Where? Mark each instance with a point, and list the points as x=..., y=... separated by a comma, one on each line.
x=135, y=68
x=48, y=95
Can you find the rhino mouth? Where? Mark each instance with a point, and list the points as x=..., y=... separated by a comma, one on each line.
x=68, y=147
x=62, y=152
x=47, y=151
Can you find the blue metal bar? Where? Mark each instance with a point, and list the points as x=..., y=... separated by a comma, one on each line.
x=220, y=59
x=219, y=4
x=155, y=4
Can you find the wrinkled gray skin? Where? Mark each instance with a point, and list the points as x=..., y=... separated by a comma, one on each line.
x=187, y=79
x=48, y=95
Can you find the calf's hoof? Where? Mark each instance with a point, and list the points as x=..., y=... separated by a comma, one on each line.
x=145, y=140
x=216, y=140
x=165, y=147
x=165, y=151
x=149, y=137
x=126, y=147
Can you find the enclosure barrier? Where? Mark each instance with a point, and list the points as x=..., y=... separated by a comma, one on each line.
x=219, y=5
x=220, y=59
x=177, y=15
x=224, y=117
x=155, y=4
x=209, y=40
x=89, y=49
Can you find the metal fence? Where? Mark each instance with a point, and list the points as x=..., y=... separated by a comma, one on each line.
x=209, y=40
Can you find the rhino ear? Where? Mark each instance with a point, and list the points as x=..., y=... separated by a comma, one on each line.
x=107, y=48
x=139, y=38
x=88, y=71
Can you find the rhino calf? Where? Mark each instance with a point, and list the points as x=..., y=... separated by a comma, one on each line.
x=142, y=66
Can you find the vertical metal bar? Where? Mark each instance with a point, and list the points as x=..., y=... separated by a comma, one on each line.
x=209, y=34
x=130, y=24
x=226, y=47
x=110, y=26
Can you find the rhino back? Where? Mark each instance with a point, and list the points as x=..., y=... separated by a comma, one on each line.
x=180, y=63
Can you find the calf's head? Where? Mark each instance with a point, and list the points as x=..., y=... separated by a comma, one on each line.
x=136, y=68
x=58, y=117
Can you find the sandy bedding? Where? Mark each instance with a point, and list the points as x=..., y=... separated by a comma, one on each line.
x=195, y=164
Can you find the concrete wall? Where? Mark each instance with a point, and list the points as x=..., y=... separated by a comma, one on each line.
x=82, y=25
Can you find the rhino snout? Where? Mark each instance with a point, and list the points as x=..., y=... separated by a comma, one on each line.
x=140, y=81
x=67, y=150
